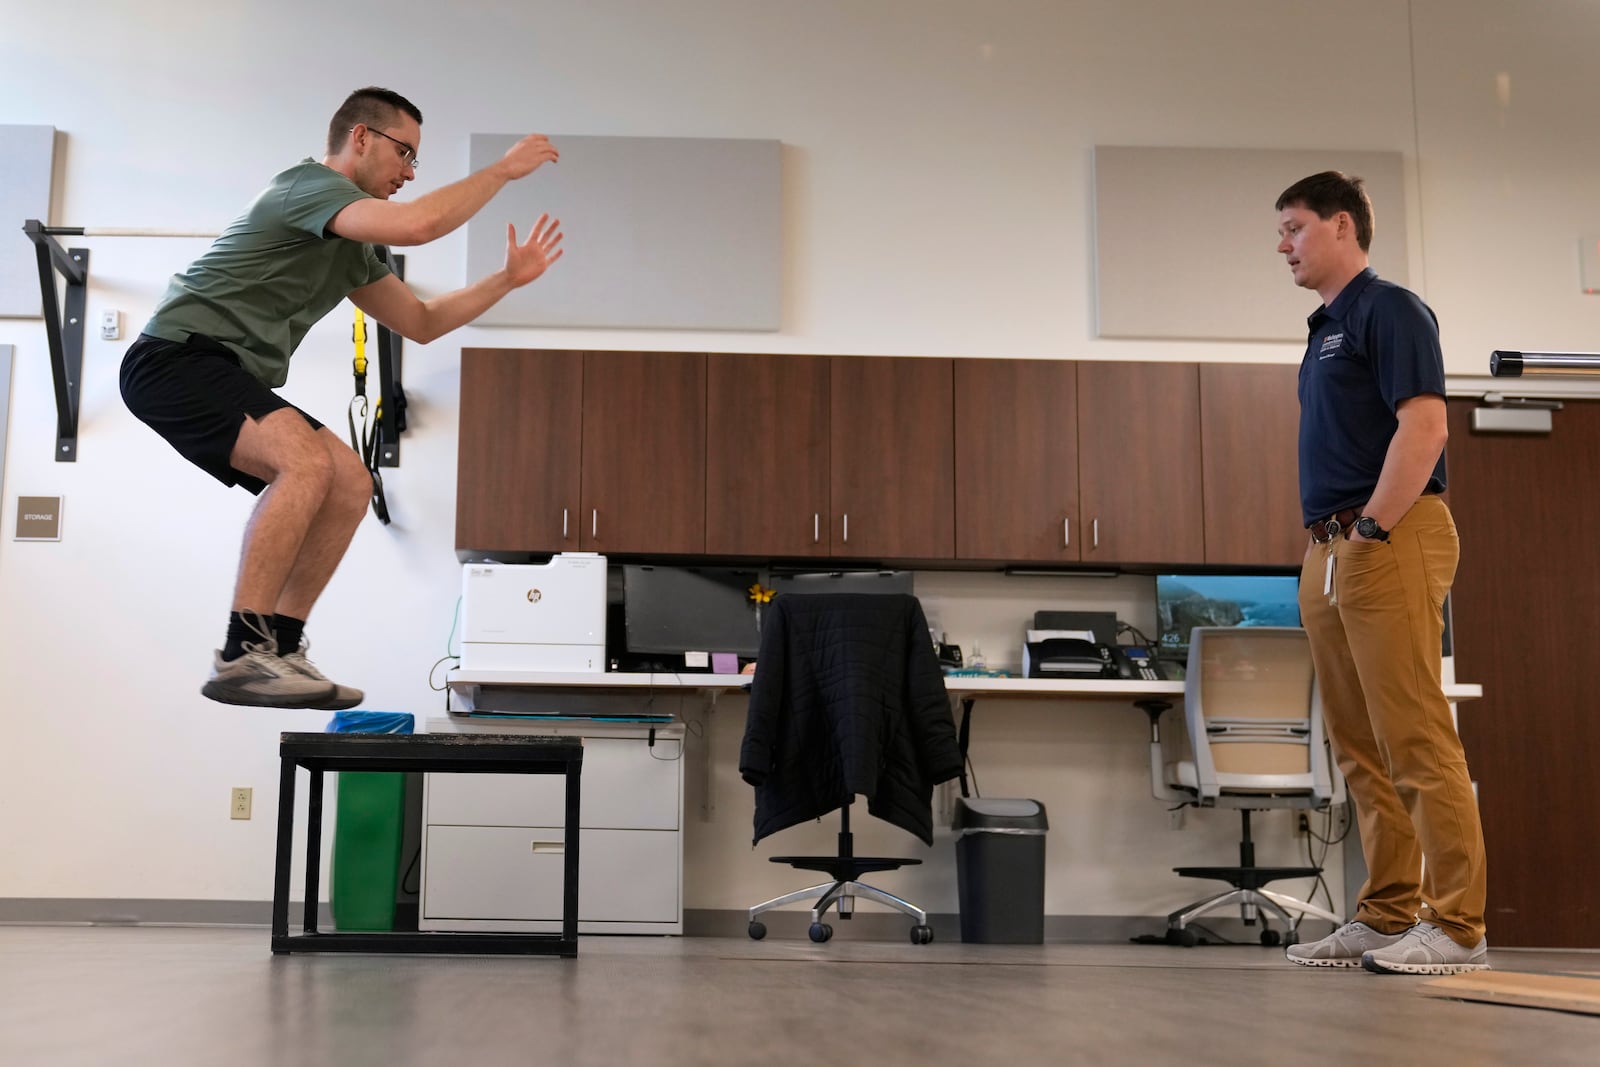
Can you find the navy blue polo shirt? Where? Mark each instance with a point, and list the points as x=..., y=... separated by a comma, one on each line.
x=1376, y=345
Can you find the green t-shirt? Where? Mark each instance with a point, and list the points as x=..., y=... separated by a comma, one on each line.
x=274, y=271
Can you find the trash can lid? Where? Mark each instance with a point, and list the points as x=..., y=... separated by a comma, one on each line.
x=371, y=722
x=995, y=813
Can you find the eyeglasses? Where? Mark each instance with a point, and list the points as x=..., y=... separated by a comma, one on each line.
x=408, y=155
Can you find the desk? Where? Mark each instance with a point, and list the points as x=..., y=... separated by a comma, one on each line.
x=1151, y=697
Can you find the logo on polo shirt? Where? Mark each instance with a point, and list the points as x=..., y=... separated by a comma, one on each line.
x=1330, y=345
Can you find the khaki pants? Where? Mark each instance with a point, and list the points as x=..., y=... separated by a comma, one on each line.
x=1377, y=650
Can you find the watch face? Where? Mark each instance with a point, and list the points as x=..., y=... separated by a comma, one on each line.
x=1367, y=527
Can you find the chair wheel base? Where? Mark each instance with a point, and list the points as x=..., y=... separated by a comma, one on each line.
x=820, y=932
x=921, y=935
x=758, y=930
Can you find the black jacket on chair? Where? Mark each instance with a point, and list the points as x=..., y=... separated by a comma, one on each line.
x=847, y=699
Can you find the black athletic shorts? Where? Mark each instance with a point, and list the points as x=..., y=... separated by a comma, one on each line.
x=197, y=396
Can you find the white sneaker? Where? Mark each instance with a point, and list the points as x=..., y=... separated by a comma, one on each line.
x=1427, y=949
x=343, y=697
x=1342, y=948
x=261, y=678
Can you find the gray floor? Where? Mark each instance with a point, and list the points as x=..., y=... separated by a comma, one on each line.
x=147, y=995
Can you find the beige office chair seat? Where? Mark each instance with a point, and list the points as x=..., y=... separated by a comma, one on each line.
x=1185, y=775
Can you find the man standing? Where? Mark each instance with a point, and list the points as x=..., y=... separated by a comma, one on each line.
x=202, y=373
x=1382, y=556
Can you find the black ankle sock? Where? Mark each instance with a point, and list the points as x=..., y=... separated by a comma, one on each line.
x=289, y=632
x=244, y=626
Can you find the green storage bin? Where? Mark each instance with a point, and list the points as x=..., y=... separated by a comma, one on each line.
x=369, y=825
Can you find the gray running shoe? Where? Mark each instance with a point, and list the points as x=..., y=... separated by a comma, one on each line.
x=261, y=678
x=344, y=697
x=1342, y=948
x=1427, y=949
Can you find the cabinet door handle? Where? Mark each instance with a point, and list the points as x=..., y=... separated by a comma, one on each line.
x=847, y=527
x=1066, y=533
x=816, y=527
x=1096, y=533
x=543, y=847
x=594, y=524
x=563, y=524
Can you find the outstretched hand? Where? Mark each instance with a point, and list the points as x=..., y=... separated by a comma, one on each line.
x=528, y=154
x=528, y=260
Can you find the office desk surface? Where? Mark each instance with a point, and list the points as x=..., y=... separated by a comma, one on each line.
x=1098, y=689
x=597, y=679
x=1042, y=688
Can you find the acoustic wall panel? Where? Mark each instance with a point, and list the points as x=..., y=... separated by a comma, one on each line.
x=27, y=157
x=1185, y=239
x=661, y=233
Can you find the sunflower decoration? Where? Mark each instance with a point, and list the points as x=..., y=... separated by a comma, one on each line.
x=759, y=595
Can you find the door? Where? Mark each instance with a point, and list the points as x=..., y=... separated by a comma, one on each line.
x=1250, y=467
x=767, y=456
x=644, y=453
x=1016, y=460
x=1525, y=615
x=1139, y=462
x=892, y=458
x=517, y=463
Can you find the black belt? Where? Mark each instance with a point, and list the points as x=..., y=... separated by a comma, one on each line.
x=1325, y=530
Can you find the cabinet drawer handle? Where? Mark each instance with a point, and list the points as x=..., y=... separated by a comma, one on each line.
x=1096, y=534
x=1066, y=533
x=816, y=527
x=563, y=524
x=847, y=527
x=550, y=847
x=594, y=524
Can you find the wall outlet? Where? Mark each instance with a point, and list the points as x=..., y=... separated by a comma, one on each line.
x=239, y=803
x=1302, y=824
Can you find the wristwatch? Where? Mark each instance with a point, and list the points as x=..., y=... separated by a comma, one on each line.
x=1368, y=527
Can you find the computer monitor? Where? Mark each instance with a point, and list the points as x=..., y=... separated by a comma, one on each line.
x=1184, y=601
x=673, y=610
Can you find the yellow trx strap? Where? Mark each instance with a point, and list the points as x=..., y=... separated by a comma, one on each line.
x=365, y=442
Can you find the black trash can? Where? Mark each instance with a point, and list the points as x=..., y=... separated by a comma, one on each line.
x=1000, y=870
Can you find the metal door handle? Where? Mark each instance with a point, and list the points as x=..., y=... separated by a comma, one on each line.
x=1096, y=534
x=594, y=524
x=816, y=527
x=847, y=527
x=563, y=524
x=1066, y=533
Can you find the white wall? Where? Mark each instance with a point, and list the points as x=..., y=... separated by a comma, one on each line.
x=937, y=203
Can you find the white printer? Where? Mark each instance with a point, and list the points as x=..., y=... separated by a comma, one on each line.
x=534, y=617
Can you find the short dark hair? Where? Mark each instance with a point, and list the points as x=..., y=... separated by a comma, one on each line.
x=1328, y=194
x=372, y=107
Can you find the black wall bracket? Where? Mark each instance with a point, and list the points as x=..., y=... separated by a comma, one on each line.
x=63, y=324
x=391, y=394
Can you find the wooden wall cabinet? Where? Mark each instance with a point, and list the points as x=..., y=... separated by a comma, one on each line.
x=644, y=452
x=1016, y=435
x=1249, y=447
x=879, y=458
x=892, y=458
x=581, y=451
x=1139, y=463
x=519, y=450
x=767, y=456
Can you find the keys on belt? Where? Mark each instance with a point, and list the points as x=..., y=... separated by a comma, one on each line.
x=1325, y=530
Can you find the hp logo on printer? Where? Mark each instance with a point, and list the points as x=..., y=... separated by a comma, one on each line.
x=534, y=596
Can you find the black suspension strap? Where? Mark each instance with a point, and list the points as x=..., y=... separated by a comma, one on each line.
x=365, y=441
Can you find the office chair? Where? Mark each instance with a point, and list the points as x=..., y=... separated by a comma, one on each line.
x=1254, y=725
x=848, y=699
